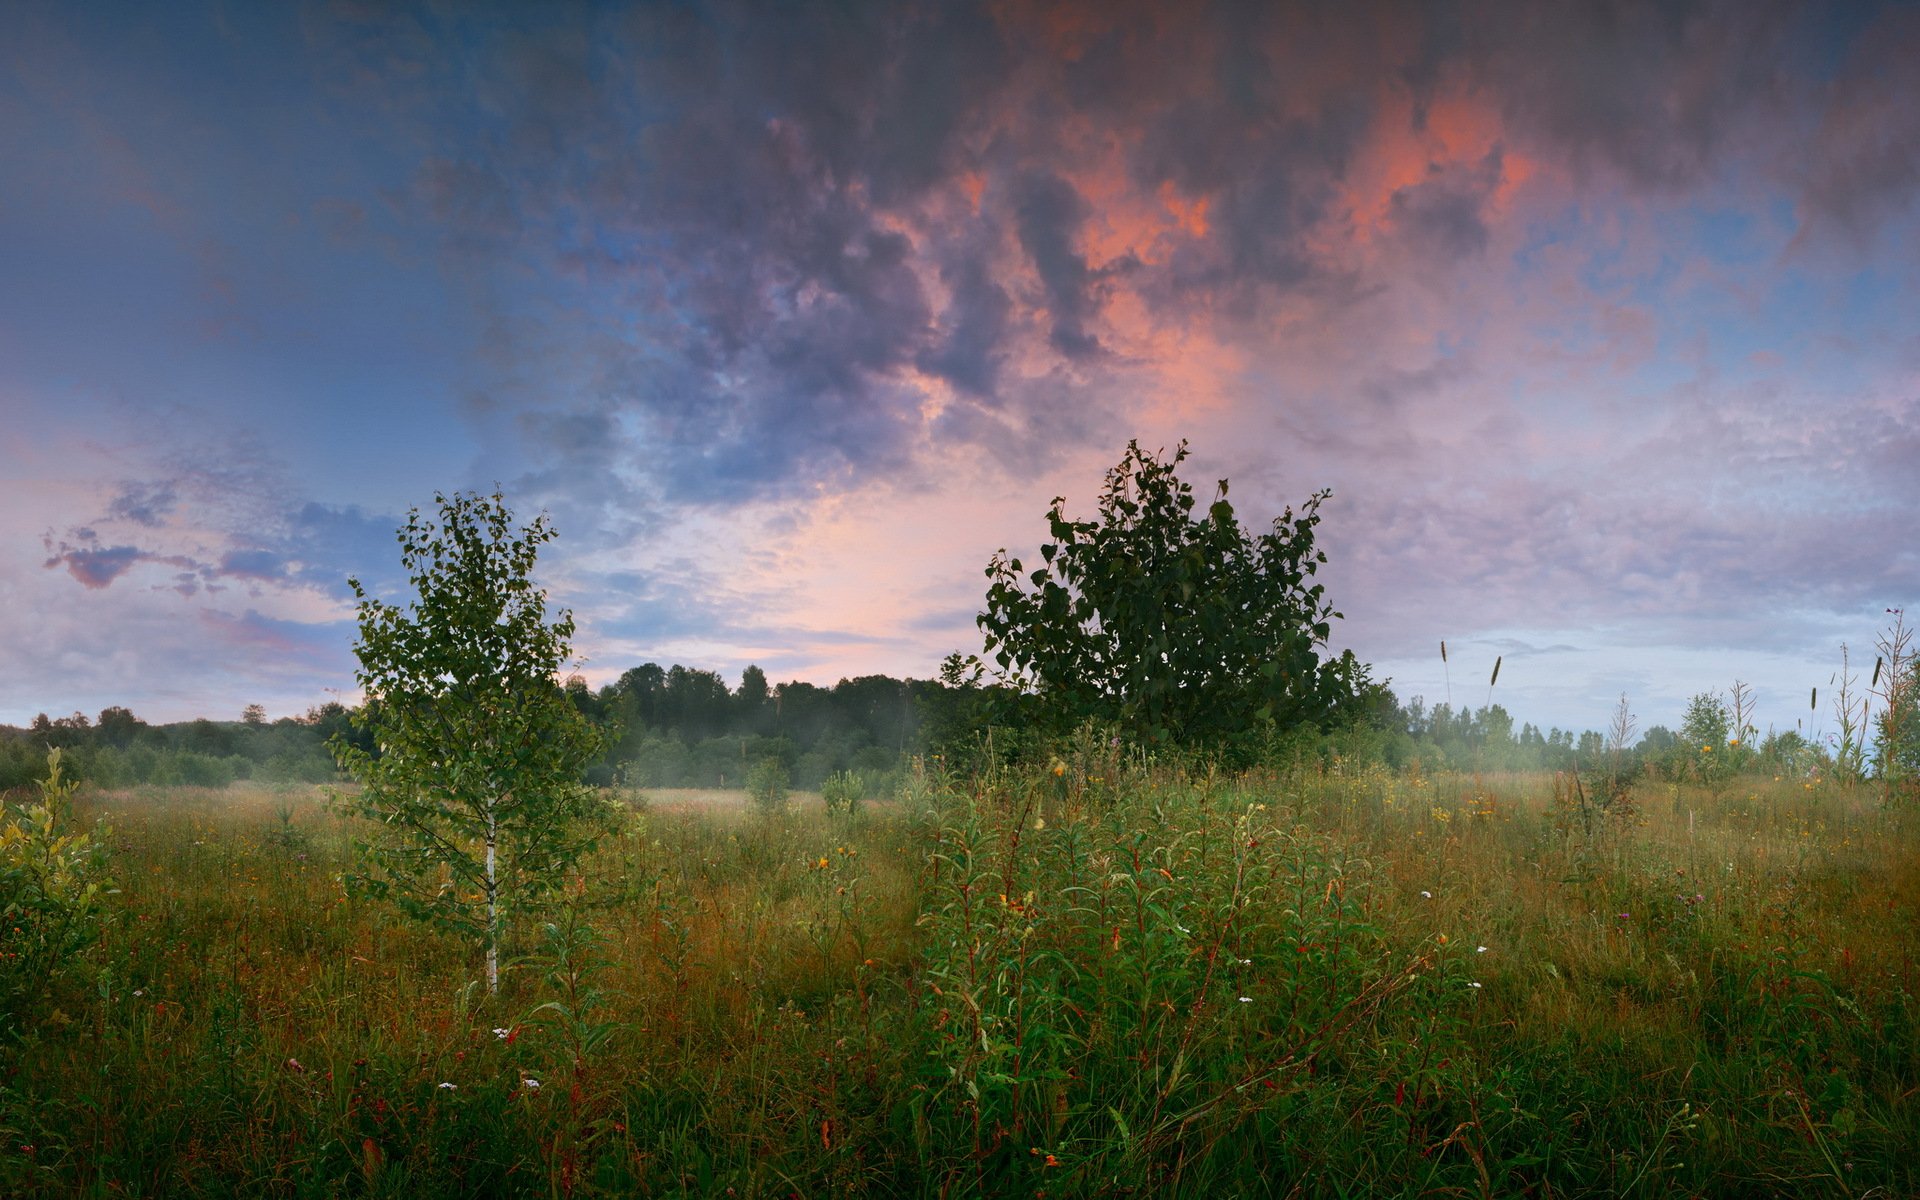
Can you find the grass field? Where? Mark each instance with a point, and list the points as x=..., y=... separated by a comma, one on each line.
x=1101, y=981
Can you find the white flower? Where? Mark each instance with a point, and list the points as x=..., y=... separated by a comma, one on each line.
x=1480, y=950
x=532, y=1085
x=1246, y=999
x=1246, y=962
x=448, y=1087
x=500, y=1033
x=1426, y=895
x=1473, y=983
x=139, y=991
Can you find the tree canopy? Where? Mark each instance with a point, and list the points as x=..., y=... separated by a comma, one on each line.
x=1179, y=628
x=475, y=785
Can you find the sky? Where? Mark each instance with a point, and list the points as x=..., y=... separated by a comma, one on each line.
x=1598, y=320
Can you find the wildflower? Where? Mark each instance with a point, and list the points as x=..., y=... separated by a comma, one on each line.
x=293, y=1064
x=1246, y=999
x=532, y=1085
x=1473, y=983
x=502, y=1033
x=1246, y=962
x=1479, y=949
x=1426, y=895
x=448, y=1087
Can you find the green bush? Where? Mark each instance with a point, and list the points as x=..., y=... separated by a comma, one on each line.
x=52, y=885
x=843, y=791
x=767, y=785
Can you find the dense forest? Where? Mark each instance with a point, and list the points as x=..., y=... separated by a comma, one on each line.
x=665, y=727
x=683, y=727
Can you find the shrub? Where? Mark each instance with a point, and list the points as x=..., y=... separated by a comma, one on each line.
x=843, y=791
x=52, y=882
x=767, y=785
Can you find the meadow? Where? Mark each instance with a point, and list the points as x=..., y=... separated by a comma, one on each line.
x=1096, y=976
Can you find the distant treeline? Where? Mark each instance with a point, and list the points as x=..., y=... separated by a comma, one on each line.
x=683, y=727
x=1485, y=739
x=118, y=749
x=666, y=727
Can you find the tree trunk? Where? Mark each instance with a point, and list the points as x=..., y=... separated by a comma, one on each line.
x=493, y=908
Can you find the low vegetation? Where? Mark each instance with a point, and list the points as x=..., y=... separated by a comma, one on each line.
x=1095, y=976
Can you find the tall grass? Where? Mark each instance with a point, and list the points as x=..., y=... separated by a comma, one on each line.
x=1089, y=979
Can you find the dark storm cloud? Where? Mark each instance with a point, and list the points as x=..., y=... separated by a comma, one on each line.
x=1650, y=88
x=1444, y=214
x=1864, y=163
x=967, y=351
x=1048, y=213
x=764, y=228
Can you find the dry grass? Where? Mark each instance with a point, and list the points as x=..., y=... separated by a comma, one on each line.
x=1716, y=996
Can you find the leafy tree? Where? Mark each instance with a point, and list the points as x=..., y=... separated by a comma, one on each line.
x=474, y=787
x=1704, y=734
x=118, y=726
x=1180, y=629
x=753, y=703
x=767, y=785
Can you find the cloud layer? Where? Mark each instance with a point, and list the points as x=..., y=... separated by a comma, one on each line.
x=791, y=315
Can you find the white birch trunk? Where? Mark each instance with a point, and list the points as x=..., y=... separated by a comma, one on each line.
x=493, y=907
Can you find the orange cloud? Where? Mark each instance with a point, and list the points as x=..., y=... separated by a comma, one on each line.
x=1457, y=128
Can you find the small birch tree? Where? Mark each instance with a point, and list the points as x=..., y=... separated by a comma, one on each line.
x=473, y=783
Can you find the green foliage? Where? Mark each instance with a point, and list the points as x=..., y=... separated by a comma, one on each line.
x=53, y=888
x=474, y=789
x=1706, y=753
x=1012, y=984
x=1181, y=629
x=1897, y=744
x=843, y=791
x=767, y=785
x=569, y=963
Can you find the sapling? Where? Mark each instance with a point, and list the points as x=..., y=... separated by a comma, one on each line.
x=474, y=785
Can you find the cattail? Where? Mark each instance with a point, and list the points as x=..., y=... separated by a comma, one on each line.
x=1496, y=673
x=1876, y=671
x=1813, y=701
x=1443, y=651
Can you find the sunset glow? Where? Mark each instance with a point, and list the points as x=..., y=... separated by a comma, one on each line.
x=1597, y=321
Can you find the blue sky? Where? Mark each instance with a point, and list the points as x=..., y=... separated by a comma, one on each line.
x=1599, y=327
